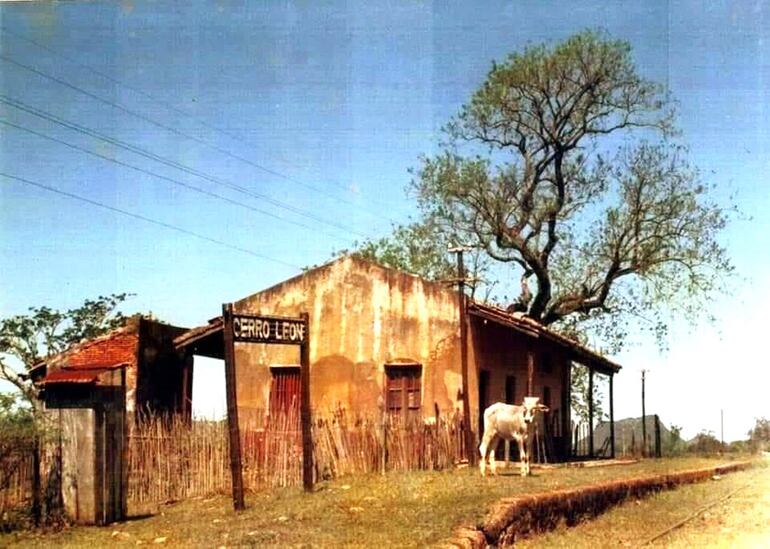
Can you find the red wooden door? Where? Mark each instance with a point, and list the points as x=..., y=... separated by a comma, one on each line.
x=284, y=391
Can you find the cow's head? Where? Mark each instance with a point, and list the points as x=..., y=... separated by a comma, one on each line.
x=531, y=406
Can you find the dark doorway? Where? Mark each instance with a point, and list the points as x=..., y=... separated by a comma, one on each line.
x=510, y=389
x=483, y=398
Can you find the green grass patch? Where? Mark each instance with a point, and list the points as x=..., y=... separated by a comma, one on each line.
x=398, y=509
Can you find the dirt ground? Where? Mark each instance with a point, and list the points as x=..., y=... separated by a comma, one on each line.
x=741, y=518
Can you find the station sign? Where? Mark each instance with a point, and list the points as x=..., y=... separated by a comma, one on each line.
x=269, y=329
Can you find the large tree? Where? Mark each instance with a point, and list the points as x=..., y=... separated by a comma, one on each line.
x=563, y=164
x=25, y=340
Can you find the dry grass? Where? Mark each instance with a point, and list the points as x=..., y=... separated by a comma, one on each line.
x=743, y=520
x=399, y=509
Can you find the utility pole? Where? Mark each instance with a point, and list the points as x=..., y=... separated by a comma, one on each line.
x=644, y=420
x=722, y=427
x=470, y=443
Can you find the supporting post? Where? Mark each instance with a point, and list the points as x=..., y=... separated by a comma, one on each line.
x=530, y=371
x=722, y=428
x=470, y=443
x=591, y=412
x=305, y=413
x=612, y=419
x=644, y=421
x=236, y=469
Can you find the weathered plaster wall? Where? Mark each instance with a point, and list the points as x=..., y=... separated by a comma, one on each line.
x=362, y=317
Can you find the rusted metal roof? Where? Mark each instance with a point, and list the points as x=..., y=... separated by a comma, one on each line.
x=89, y=375
x=196, y=334
x=71, y=376
x=534, y=329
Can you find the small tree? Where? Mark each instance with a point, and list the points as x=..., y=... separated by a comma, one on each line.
x=705, y=443
x=579, y=395
x=759, y=435
x=422, y=249
x=675, y=444
x=26, y=340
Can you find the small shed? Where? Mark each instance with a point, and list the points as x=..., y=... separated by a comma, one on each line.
x=91, y=390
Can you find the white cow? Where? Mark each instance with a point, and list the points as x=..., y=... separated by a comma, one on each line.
x=509, y=422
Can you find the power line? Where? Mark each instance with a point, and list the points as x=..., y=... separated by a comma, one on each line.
x=148, y=220
x=169, y=162
x=159, y=176
x=167, y=128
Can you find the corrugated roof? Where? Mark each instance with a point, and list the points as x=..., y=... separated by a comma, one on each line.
x=532, y=328
x=71, y=376
x=88, y=375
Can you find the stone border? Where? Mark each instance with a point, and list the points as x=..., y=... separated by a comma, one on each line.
x=513, y=518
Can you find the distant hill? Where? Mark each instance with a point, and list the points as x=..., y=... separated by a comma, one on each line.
x=628, y=434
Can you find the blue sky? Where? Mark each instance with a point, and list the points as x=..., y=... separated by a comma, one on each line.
x=313, y=113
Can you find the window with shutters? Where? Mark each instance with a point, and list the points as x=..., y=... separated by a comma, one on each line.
x=403, y=384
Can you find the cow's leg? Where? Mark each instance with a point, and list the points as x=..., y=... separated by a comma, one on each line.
x=507, y=452
x=492, y=451
x=523, y=457
x=489, y=435
x=528, y=452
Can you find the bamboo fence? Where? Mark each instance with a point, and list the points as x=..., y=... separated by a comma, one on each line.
x=172, y=459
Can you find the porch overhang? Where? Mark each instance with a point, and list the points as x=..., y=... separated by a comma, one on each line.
x=205, y=340
x=532, y=329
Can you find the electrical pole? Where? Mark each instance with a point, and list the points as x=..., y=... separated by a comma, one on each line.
x=722, y=427
x=470, y=443
x=644, y=420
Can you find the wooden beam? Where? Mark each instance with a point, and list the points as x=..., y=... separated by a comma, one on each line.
x=530, y=370
x=236, y=468
x=305, y=412
x=591, y=412
x=612, y=419
x=470, y=443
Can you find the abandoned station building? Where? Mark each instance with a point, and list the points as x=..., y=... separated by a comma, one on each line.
x=379, y=336
x=377, y=340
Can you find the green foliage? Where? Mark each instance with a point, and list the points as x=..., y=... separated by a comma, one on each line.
x=759, y=435
x=16, y=420
x=579, y=395
x=673, y=445
x=423, y=249
x=43, y=332
x=563, y=165
x=417, y=248
x=705, y=443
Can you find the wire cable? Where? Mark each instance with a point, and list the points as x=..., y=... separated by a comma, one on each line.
x=169, y=162
x=159, y=176
x=177, y=110
x=169, y=128
x=148, y=220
